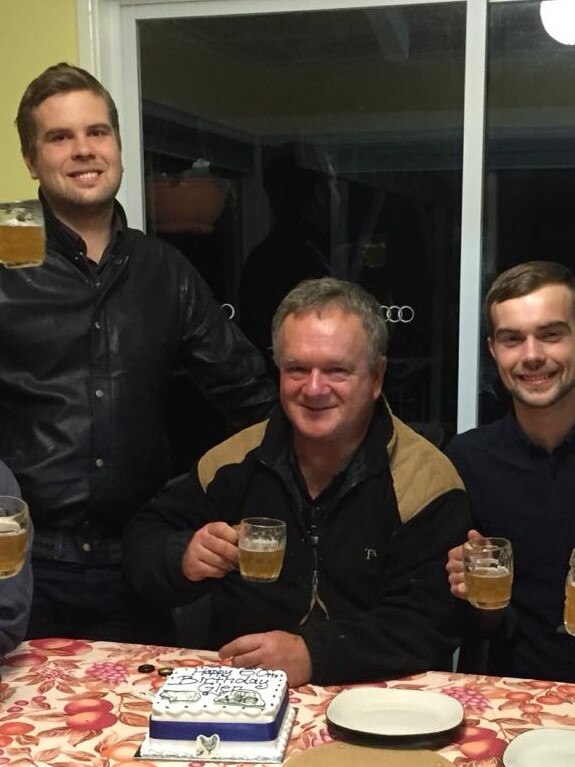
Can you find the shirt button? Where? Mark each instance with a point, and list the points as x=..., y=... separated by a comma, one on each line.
x=86, y=547
x=99, y=393
x=97, y=325
x=99, y=462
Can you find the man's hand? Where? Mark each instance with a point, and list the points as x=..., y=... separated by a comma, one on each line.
x=273, y=649
x=211, y=553
x=454, y=567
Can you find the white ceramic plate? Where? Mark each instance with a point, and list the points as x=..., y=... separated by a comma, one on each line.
x=547, y=747
x=394, y=713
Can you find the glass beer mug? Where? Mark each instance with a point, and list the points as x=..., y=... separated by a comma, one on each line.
x=569, y=613
x=488, y=572
x=14, y=531
x=22, y=234
x=261, y=543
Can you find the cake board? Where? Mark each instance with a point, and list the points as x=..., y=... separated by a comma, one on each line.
x=206, y=750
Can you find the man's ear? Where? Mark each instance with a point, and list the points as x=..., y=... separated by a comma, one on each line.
x=491, y=347
x=379, y=376
x=383, y=367
x=31, y=165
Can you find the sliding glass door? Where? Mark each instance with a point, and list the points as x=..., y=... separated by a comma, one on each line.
x=348, y=137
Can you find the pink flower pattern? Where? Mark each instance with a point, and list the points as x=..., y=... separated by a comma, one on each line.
x=69, y=703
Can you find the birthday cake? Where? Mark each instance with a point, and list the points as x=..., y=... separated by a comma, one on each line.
x=220, y=713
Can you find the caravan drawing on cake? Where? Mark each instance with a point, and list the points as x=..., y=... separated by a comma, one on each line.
x=241, y=698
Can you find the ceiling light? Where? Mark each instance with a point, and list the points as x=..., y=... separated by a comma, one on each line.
x=558, y=18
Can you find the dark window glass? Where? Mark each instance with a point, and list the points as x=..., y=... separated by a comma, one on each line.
x=293, y=145
x=530, y=157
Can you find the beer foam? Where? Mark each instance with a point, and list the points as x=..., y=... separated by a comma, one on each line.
x=8, y=526
x=260, y=545
x=488, y=571
x=17, y=222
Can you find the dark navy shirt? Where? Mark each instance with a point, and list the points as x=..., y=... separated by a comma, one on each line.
x=521, y=492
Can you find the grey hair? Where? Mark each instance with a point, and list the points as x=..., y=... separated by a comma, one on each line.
x=315, y=295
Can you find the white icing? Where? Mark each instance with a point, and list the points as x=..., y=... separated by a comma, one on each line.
x=220, y=694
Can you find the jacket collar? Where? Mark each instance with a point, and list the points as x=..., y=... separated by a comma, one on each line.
x=371, y=456
x=66, y=240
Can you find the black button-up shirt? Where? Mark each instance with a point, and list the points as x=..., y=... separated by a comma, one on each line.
x=521, y=492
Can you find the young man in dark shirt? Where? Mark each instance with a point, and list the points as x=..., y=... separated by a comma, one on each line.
x=520, y=471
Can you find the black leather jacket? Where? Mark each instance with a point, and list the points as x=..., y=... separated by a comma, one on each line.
x=85, y=360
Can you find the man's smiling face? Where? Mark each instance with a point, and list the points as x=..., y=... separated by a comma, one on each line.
x=77, y=156
x=533, y=344
x=327, y=387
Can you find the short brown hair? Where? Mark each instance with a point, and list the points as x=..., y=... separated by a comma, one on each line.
x=314, y=295
x=59, y=78
x=523, y=279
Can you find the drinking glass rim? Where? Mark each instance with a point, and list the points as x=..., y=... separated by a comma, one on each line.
x=263, y=522
x=487, y=543
x=24, y=507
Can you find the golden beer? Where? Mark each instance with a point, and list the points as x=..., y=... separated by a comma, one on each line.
x=22, y=235
x=12, y=552
x=488, y=572
x=14, y=528
x=569, y=614
x=489, y=588
x=261, y=544
x=21, y=245
x=261, y=560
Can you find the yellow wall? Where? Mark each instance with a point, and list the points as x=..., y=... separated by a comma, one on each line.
x=33, y=35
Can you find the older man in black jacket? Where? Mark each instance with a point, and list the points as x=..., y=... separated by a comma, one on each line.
x=371, y=511
x=89, y=341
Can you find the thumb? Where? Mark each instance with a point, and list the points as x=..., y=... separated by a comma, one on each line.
x=474, y=535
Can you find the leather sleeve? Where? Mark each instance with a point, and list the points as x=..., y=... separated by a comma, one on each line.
x=227, y=368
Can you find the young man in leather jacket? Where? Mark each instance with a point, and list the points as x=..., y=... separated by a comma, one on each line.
x=90, y=341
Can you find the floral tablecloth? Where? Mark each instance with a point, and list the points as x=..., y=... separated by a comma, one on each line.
x=68, y=703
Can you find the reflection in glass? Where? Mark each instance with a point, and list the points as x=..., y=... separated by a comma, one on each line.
x=530, y=151
x=335, y=141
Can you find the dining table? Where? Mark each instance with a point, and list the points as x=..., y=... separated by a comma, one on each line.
x=72, y=702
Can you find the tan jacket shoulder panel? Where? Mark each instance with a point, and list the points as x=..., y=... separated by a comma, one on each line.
x=232, y=450
x=420, y=472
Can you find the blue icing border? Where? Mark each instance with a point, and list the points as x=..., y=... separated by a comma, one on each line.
x=226, y=730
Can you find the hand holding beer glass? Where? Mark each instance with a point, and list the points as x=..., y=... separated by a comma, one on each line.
x=14, y=531
x=22, y=234
x=261, y=543
x=488, y=572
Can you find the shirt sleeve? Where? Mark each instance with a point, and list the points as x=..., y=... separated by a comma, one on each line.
x=156, y=539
